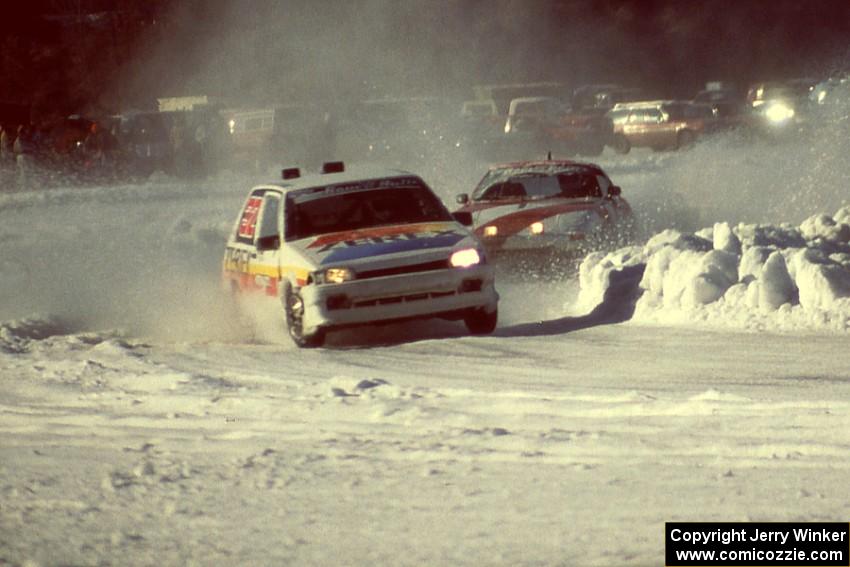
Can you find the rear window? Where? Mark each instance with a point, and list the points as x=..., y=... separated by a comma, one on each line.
x=338, y=209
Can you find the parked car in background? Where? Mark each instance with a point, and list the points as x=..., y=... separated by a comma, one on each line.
x=828, y=102
x=146, y=138
x=717, y=96
x=602, y=98
x=539, y=125
x=340, y=249
x=660, y=124
x=82, y=148
x=831, y=91
x=481, y=126
x=792, y=91
x=548, y=207
x=779, y=108
x=480, y=109
x=250, y=134
x=730, y=107
x=529, y=116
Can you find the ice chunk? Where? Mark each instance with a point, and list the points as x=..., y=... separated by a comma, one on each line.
x=782, y=236
x=826, y=228
x=843, y=215
x=725, y=239
x=595, y=272
x=820, y=281
x=676, y=239
x=775, y=285
x=752, y=262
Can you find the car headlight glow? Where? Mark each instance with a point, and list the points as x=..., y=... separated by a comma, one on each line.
x=779, y=112
x=491, y=231
x=465, y=258
x=337, y=275
x=536, y=228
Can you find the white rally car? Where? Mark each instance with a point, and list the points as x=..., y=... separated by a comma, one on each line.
x=339, y=249
x=549, y=206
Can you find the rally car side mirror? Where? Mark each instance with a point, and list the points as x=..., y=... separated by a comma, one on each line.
x=462, y=199
x=463, y=217
x=614, y=191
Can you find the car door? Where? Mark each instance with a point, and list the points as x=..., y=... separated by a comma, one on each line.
x=251, y=256
x=640, y=127
x=266, y=266
x=658, y=129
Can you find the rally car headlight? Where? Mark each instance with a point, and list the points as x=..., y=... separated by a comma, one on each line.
x=779, y=112
x=465, y=258
x=536, y=228
x=491, y=231
x=335, y=275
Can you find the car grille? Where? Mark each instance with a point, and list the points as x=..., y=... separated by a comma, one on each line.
x=402, y=298
x=396, y=270
x=342, y=301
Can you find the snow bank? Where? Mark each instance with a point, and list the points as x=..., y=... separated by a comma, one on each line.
x=752, y=276
x=16, y=335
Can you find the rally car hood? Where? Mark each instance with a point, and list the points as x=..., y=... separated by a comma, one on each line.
x=385, y=245
x=511, y=216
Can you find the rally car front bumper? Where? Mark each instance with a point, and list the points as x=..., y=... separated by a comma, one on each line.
x=441, y=293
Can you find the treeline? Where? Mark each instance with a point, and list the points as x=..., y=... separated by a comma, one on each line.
x=59, y=57
x=65, y=56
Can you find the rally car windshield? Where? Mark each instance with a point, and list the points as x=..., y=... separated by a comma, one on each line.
x=312, y=214
x=576, y=184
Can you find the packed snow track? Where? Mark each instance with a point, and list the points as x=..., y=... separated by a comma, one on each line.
x=140, y=424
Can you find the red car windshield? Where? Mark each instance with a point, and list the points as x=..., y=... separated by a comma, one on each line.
x=578, y=183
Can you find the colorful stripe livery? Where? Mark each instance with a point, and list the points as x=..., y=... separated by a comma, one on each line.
x=514, y=217
x=354, y=245
x=252, y=275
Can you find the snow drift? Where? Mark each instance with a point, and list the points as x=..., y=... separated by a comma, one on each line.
x=755, y=276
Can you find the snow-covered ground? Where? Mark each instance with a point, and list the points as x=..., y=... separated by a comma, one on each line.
x=702, y=375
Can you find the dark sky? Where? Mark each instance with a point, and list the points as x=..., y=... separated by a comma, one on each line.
x=284, y=49
x=387, y=45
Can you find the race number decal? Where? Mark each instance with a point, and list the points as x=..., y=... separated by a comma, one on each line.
x=248, y=223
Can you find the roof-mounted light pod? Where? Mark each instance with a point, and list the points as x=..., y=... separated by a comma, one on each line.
x=290, y=173
x=333, y=167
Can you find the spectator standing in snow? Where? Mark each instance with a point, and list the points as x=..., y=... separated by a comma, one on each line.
x=100, y=149
x=179, y=149
x=23, y=149
x=7, y=157
x=7, y=140
x=200, y=150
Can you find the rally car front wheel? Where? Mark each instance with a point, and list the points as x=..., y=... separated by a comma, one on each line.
x=480, y=322
x=293, y=307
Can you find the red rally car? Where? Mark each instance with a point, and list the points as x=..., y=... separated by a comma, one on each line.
x=548, y=205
